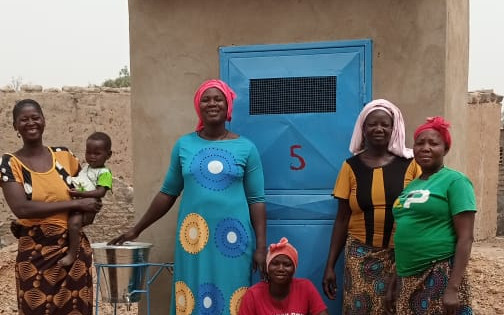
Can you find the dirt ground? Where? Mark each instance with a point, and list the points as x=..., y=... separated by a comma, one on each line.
x=486, y=271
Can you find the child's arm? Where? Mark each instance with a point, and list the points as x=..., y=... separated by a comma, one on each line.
x=99, y=192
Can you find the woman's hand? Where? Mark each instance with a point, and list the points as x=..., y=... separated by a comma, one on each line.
x=259, y=262
x=451, y=301
x=258, y=218
x=464, y=226
x=338, y=240
x=130, y=235
x=74, y=193
x=391, y=295
x=329, y=283
x=93, y=205
x=88, y=218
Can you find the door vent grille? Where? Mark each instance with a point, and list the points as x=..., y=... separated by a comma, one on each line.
x=292, y=95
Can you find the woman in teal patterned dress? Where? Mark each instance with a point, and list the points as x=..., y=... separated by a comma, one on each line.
x=221, y=228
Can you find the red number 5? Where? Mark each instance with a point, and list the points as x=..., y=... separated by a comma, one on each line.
x=302, y=163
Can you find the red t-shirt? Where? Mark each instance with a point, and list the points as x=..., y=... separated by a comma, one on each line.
x=303, y=299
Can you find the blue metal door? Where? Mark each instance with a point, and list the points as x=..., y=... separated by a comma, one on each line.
x=298, y=103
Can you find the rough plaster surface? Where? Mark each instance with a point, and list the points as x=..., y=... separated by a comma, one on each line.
x=500, y=189
x=482, y=158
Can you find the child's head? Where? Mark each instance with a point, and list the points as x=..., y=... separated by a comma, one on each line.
x=98, y=149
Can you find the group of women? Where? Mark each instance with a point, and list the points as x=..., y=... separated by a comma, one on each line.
x=406, y=223
x=404, y=219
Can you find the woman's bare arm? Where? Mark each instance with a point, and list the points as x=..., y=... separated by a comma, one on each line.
x=29, y=209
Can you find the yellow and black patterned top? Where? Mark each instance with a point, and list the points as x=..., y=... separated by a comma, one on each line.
x=49, y=186
x=371, y=193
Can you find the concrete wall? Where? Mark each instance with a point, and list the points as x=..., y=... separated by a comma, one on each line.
x=500, y=188
x=71, y=115
x=420, y=57
x=483, y=130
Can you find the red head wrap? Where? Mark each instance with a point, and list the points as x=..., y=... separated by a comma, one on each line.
x=282, y=248
x=440, y=125
x=224, y=88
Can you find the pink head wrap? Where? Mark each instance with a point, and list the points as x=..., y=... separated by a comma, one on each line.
x=439, y=124
x=397, y=144
x=282, y=248
x=224, y=88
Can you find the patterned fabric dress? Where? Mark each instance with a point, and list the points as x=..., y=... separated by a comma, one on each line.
x=369, y=253
x=43, y=286
x=215, y=238
x=422, y=294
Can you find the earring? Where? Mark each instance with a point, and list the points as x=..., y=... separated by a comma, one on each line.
x=18, y=135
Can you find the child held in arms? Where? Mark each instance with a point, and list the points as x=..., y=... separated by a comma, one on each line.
x=93, y=181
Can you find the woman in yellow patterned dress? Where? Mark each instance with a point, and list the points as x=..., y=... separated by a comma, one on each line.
x=367, y=185
x=34, y=183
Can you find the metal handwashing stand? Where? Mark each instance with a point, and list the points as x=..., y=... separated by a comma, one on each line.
x=148, y=281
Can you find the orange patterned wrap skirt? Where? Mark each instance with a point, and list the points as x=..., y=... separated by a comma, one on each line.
x=44, y=286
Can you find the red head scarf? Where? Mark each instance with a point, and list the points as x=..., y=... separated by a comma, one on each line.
x=440, y=125
x=282, y=248
x=224, y=88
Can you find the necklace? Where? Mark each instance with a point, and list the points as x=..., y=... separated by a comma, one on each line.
x=222, y=137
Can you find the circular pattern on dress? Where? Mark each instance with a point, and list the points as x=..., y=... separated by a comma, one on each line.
x=358, y=251
x=214, y=168
x=184, y=298
x=231, y=238
x=371, y=269
x=210, y=299
x=465, y=310
x=379, y=287
x=193, y=233
x=436, y=283
x=234, y=302
x=419, y=302
x=361, y=304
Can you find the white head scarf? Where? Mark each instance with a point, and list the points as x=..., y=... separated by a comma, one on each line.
x=397, y=143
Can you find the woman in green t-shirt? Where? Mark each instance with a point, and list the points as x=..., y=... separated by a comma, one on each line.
x=435, y=219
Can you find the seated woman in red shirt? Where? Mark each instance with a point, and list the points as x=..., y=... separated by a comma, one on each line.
x=282, y=293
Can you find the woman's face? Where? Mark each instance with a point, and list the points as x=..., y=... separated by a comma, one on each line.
x=213, y=106
x=281, y=269
x=377, y=128
x=429, y=150
x=30, y=123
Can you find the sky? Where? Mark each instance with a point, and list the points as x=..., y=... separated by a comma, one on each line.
x=486, y=47
x=63, y=42
x=70, y=42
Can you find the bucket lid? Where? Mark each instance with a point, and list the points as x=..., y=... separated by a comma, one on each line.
x=125, y=245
